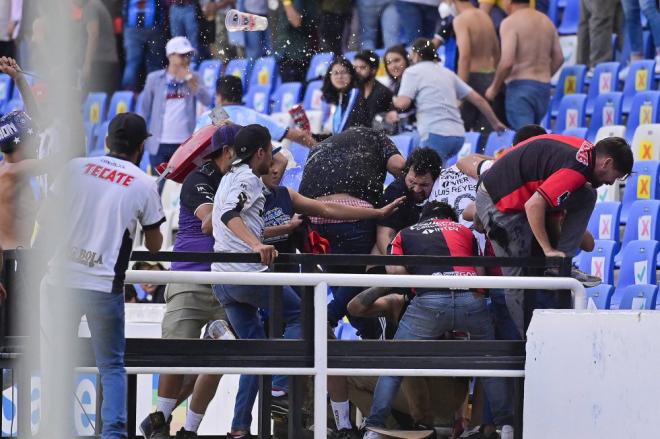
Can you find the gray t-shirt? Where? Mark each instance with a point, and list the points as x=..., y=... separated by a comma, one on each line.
x=241, y=191
x=436, y=92
x=94, y=10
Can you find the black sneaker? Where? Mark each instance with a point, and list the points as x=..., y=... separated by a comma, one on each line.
x=280, y=406
x=185, y=434
x=244, y=436
x=585, y=279
x=154, y=426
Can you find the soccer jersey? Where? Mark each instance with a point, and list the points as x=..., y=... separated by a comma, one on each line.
x=555, y=166
x=105, y=198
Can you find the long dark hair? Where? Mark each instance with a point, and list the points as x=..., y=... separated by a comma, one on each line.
x=398, y=49
x=330, y=93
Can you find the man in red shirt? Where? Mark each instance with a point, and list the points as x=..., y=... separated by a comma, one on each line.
x=544, y=174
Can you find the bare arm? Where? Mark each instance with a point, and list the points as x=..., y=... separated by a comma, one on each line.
x=486, y=7
x=299, y=136
x=294, y=17
x=484, y=107
x=557, y=54
x=469, y=164
x=311, y=207
x=507, y=59
x=11, y=68
x=153, y=239
x=375, y=302
x=205, y=215
x=396, y=269
x=396, y=164
x=535, y=208
x=93, y=30
x=384, y=236
x=402, y=103
x=268, y=253
x=464, y=48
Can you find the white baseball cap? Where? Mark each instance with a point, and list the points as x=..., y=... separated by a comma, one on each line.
x=179, y=45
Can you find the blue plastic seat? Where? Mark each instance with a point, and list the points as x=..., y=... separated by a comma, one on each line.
x=209, y=72
x=606, y=111
x=645, y=109
x=570, y=18
x=319, y=65
x=572, y=112
x=299, y=154
x=599, y=262
x=605, y=79
x=643, y=224
x=264, y=73
x=638, y=297
x=89, y=137
x=640, y=78
x=604, y=221
x=350, y=55
x=13, y=105
x=240, y=68
x=258, y=98
x=403, y=143
x=638, y=263
x=498, y=142
x=313, y=96
x=6, y=85
x=641, y=185
x=571, y=81
x=121, y=102
x=580, y=132
x=600, y=296
x=94, y=108
x=286, y=96
x=292, y=178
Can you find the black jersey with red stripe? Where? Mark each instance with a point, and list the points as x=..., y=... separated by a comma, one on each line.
x=552, y=165
x=437, y=237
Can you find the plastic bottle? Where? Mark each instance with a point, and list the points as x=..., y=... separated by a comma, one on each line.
x=219, y=330
x=242, y=21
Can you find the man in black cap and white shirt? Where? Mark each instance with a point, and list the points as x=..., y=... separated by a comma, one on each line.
x=238, y=227
x=97, y=203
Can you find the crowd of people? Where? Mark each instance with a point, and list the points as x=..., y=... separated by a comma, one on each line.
x=534, y=199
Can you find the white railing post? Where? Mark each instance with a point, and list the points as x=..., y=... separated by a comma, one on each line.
x=320, y=360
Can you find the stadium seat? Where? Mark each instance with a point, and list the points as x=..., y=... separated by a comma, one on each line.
x=89, y=137
x=641, y=185
x=571, y=112
x=240, y=69
x=599, y=297
x=498, y=142
x=313, y=96
x=258, y=98
x=637, y=297
x=643, y=223
x=319, y=65
x=94, y=108
x=470, y=145
x=604, y=221
x=604, y=80
x=13, y=105
x=639, y=78
x=610, y=131
x=403, y=143
x=264, y=73
x=576, y=132
x=299, y=154
x=292, y=178
x=286, y=96
x=99, y=144
x=644, y=110
x=121, y=102
x=571, y=81
x=5, y=89
x=606, y=111
x=646, y=142
x=600, y=262
x=209, y=72
x=638, y=263
x=350, y=55
x=570, y=18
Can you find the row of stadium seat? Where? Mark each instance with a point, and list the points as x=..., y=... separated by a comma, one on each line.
x=637, y=297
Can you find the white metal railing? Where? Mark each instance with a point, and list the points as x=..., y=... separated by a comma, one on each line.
x=320, y=282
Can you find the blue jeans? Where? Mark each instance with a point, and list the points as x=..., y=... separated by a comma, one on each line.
x=183, y=23
x=352, y=239
x=428, y=317
x=505, y=327
x=631, y=9
x=256, y=44
x=526, y=102
x=142, y=46
x=446, y=146
x=242, y=304
x=416, y=21
x=105, y=318
x=370, y=13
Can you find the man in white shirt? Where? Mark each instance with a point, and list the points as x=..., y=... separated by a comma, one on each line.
x=103, y=200
x=238, y=227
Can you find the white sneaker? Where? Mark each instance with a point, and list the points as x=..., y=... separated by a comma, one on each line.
x=373, y=435
x=507, y=432
x=657, y=64
x=623, y=73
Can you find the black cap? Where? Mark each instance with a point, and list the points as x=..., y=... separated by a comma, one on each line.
x=248, y=140
x=127, y=130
